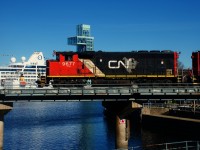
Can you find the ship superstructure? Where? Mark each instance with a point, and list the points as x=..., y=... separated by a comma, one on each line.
x=30, y=69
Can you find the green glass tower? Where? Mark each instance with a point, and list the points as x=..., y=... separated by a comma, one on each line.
x=83, y=40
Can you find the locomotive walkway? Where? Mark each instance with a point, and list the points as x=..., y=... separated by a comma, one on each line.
x=106, y=93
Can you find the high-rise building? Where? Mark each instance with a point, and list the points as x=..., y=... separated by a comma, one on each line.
x=83, y=39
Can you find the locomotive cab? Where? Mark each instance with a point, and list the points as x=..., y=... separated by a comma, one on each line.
x=61, y=57
x=67, y=68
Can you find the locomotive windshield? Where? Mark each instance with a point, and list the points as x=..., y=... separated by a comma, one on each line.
x=57, y=57
x=68, y=57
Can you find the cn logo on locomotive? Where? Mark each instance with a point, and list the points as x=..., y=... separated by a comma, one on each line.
x=129, y=64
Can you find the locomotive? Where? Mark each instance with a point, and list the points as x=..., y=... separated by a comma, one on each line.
x=113, y=67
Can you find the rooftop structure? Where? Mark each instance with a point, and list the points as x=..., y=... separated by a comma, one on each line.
x=83, y=40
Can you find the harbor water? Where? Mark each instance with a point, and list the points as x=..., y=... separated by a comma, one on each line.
x=74, y=126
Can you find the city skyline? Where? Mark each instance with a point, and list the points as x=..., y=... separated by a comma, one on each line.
x=32, y=25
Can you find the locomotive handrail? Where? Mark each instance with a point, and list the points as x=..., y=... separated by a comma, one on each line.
x=167, y=84
x=135, y=85
x=132, y=85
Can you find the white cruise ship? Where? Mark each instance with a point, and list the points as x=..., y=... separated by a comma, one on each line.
x=30, y=69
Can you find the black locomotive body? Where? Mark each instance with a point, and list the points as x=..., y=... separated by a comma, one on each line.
x=101, y=67
x=137, y=63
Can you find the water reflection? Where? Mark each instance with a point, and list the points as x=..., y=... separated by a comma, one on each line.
x=73, y=126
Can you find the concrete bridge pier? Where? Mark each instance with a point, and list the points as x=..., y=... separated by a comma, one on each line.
x=122, y=133
x=121, y=110
x=4, y=109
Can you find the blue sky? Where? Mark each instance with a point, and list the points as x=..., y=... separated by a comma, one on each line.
x=44, y=25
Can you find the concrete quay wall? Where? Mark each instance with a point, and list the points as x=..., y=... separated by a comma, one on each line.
x=160, y=118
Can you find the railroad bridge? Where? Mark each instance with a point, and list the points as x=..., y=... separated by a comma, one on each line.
x=120, y=100
x=137, y=93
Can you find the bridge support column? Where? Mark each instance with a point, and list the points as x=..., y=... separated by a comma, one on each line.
x=121, y=110
x=122, y=133
x=4, y=109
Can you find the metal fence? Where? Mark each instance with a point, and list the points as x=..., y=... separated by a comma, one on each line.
x=183, y=145
x=189, y=107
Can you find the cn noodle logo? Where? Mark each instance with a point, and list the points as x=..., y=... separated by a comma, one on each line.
x=128, y=64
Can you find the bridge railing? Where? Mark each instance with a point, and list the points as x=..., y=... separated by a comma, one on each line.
x=128, y=89
x=71, y=91
x=168, y=88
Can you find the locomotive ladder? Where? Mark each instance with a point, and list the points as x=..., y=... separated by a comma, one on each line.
x=180, y=76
